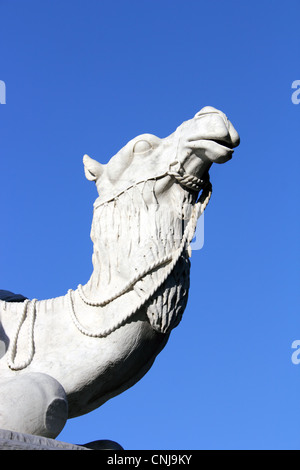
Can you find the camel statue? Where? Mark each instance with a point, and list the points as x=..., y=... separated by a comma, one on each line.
x=64, y=357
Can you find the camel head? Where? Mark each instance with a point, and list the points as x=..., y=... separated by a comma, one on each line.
x=209, y=137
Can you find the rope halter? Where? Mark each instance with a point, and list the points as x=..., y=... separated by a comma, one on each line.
x=186, y=179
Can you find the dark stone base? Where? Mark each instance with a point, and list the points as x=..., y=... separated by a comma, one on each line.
x=10, y=440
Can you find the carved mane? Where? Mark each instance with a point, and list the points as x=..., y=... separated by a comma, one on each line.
x=131, y=233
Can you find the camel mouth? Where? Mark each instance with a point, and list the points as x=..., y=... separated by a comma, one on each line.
x=228, y=146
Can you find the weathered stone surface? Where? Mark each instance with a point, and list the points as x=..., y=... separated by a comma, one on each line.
x=10, y=440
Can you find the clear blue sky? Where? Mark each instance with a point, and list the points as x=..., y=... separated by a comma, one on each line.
x=86, y=77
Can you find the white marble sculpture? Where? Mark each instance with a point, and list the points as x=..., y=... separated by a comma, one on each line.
x=63, y=357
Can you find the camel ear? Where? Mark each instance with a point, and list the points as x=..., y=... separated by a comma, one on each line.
x=92, y=168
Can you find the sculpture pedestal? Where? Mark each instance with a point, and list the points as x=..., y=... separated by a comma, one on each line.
x=10, y=440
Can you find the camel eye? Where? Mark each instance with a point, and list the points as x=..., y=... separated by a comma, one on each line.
x=142, y=146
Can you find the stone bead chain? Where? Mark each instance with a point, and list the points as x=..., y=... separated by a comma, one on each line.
x=30, y=307
x=200, y=206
